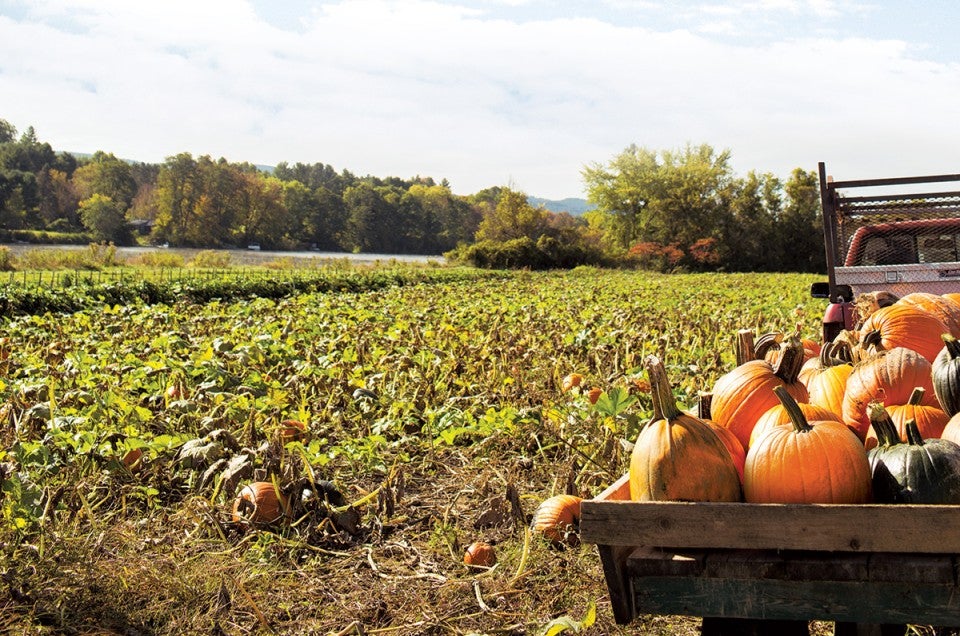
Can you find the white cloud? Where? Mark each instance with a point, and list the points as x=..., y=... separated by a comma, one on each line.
x=430, y=88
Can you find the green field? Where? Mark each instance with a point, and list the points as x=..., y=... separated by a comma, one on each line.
x=434, y=406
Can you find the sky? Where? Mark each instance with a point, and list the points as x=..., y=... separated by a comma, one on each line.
x=482, y=93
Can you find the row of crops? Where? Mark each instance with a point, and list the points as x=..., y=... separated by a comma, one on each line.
x=68, y=292
x=435, y=407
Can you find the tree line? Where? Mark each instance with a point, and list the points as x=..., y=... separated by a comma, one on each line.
x=667, y=210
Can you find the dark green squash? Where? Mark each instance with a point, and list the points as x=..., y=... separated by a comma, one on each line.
x=917, y=471
x=946, y=375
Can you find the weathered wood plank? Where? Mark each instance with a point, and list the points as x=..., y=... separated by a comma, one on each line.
x=657, y=562
x=835, y=528
x=918, y=568
x=771, y=599
x=787, y=565
x=613, y=558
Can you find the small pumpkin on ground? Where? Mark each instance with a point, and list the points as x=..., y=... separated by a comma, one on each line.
x=808, y=462
x=571, y=381
x=292, y=430
x=558, y=519
x=260, y=503
x=479, y=555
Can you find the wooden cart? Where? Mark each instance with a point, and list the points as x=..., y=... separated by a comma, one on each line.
x=770, y=568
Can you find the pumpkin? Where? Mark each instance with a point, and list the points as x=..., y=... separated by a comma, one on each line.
x=292, y=430
x=888, y=376
x=952, y=430
x=131, y=459
x=737, y=453
x=947, y=310
x=929, y=420
x=571, y=381
x=558, y=519
x=778, y=416
x=678, y=456
x=866, y=304
x=826, y=380
x=260, y=503
x=743, y=394
x=809, y=462
x=811, y=348
x=479, y=555
x=918, y=471
x=946, y=375
x=903, y=325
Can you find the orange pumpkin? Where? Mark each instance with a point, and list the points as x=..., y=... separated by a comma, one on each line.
x=571, y=381
x=828, y=388
x=737, y=452
x=952, y=430
x=779, y=416
x=479, y=555
x=260, y=503
x=809, y=462
x=292, y=430
x=677, y=456
x=826, y=379
x=558, y=519
x=888, y=377
x=742, y=395
x=931, y=420
x=946, y=309
x=131, y=459
x=903, y=325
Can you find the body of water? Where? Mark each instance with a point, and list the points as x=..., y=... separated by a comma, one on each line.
x=248, y=257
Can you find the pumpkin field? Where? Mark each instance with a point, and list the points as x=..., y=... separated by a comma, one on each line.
x=322, y=463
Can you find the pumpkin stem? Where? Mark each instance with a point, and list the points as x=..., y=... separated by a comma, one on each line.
x=883, y=426
x=914, y=438
x=916, y=396
x=847, y=347
x=793, y=409
x=790, y=362
x=952, y=344
x=768, y=341
x=744, y=346
x=872, y=339
x=703, y=405
x=836, y=353
x=664, y=404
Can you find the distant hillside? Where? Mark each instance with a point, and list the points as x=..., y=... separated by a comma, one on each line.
x=575, y=207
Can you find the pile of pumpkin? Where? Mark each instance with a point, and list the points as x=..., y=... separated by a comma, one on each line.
x=873, y=416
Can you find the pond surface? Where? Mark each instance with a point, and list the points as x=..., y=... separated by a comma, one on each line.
x=247, y=257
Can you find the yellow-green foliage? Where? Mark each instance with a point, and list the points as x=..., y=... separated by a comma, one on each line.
x=211, y=258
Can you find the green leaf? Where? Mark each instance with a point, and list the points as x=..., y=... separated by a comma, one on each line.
x=564, y=623
x=615, y=401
